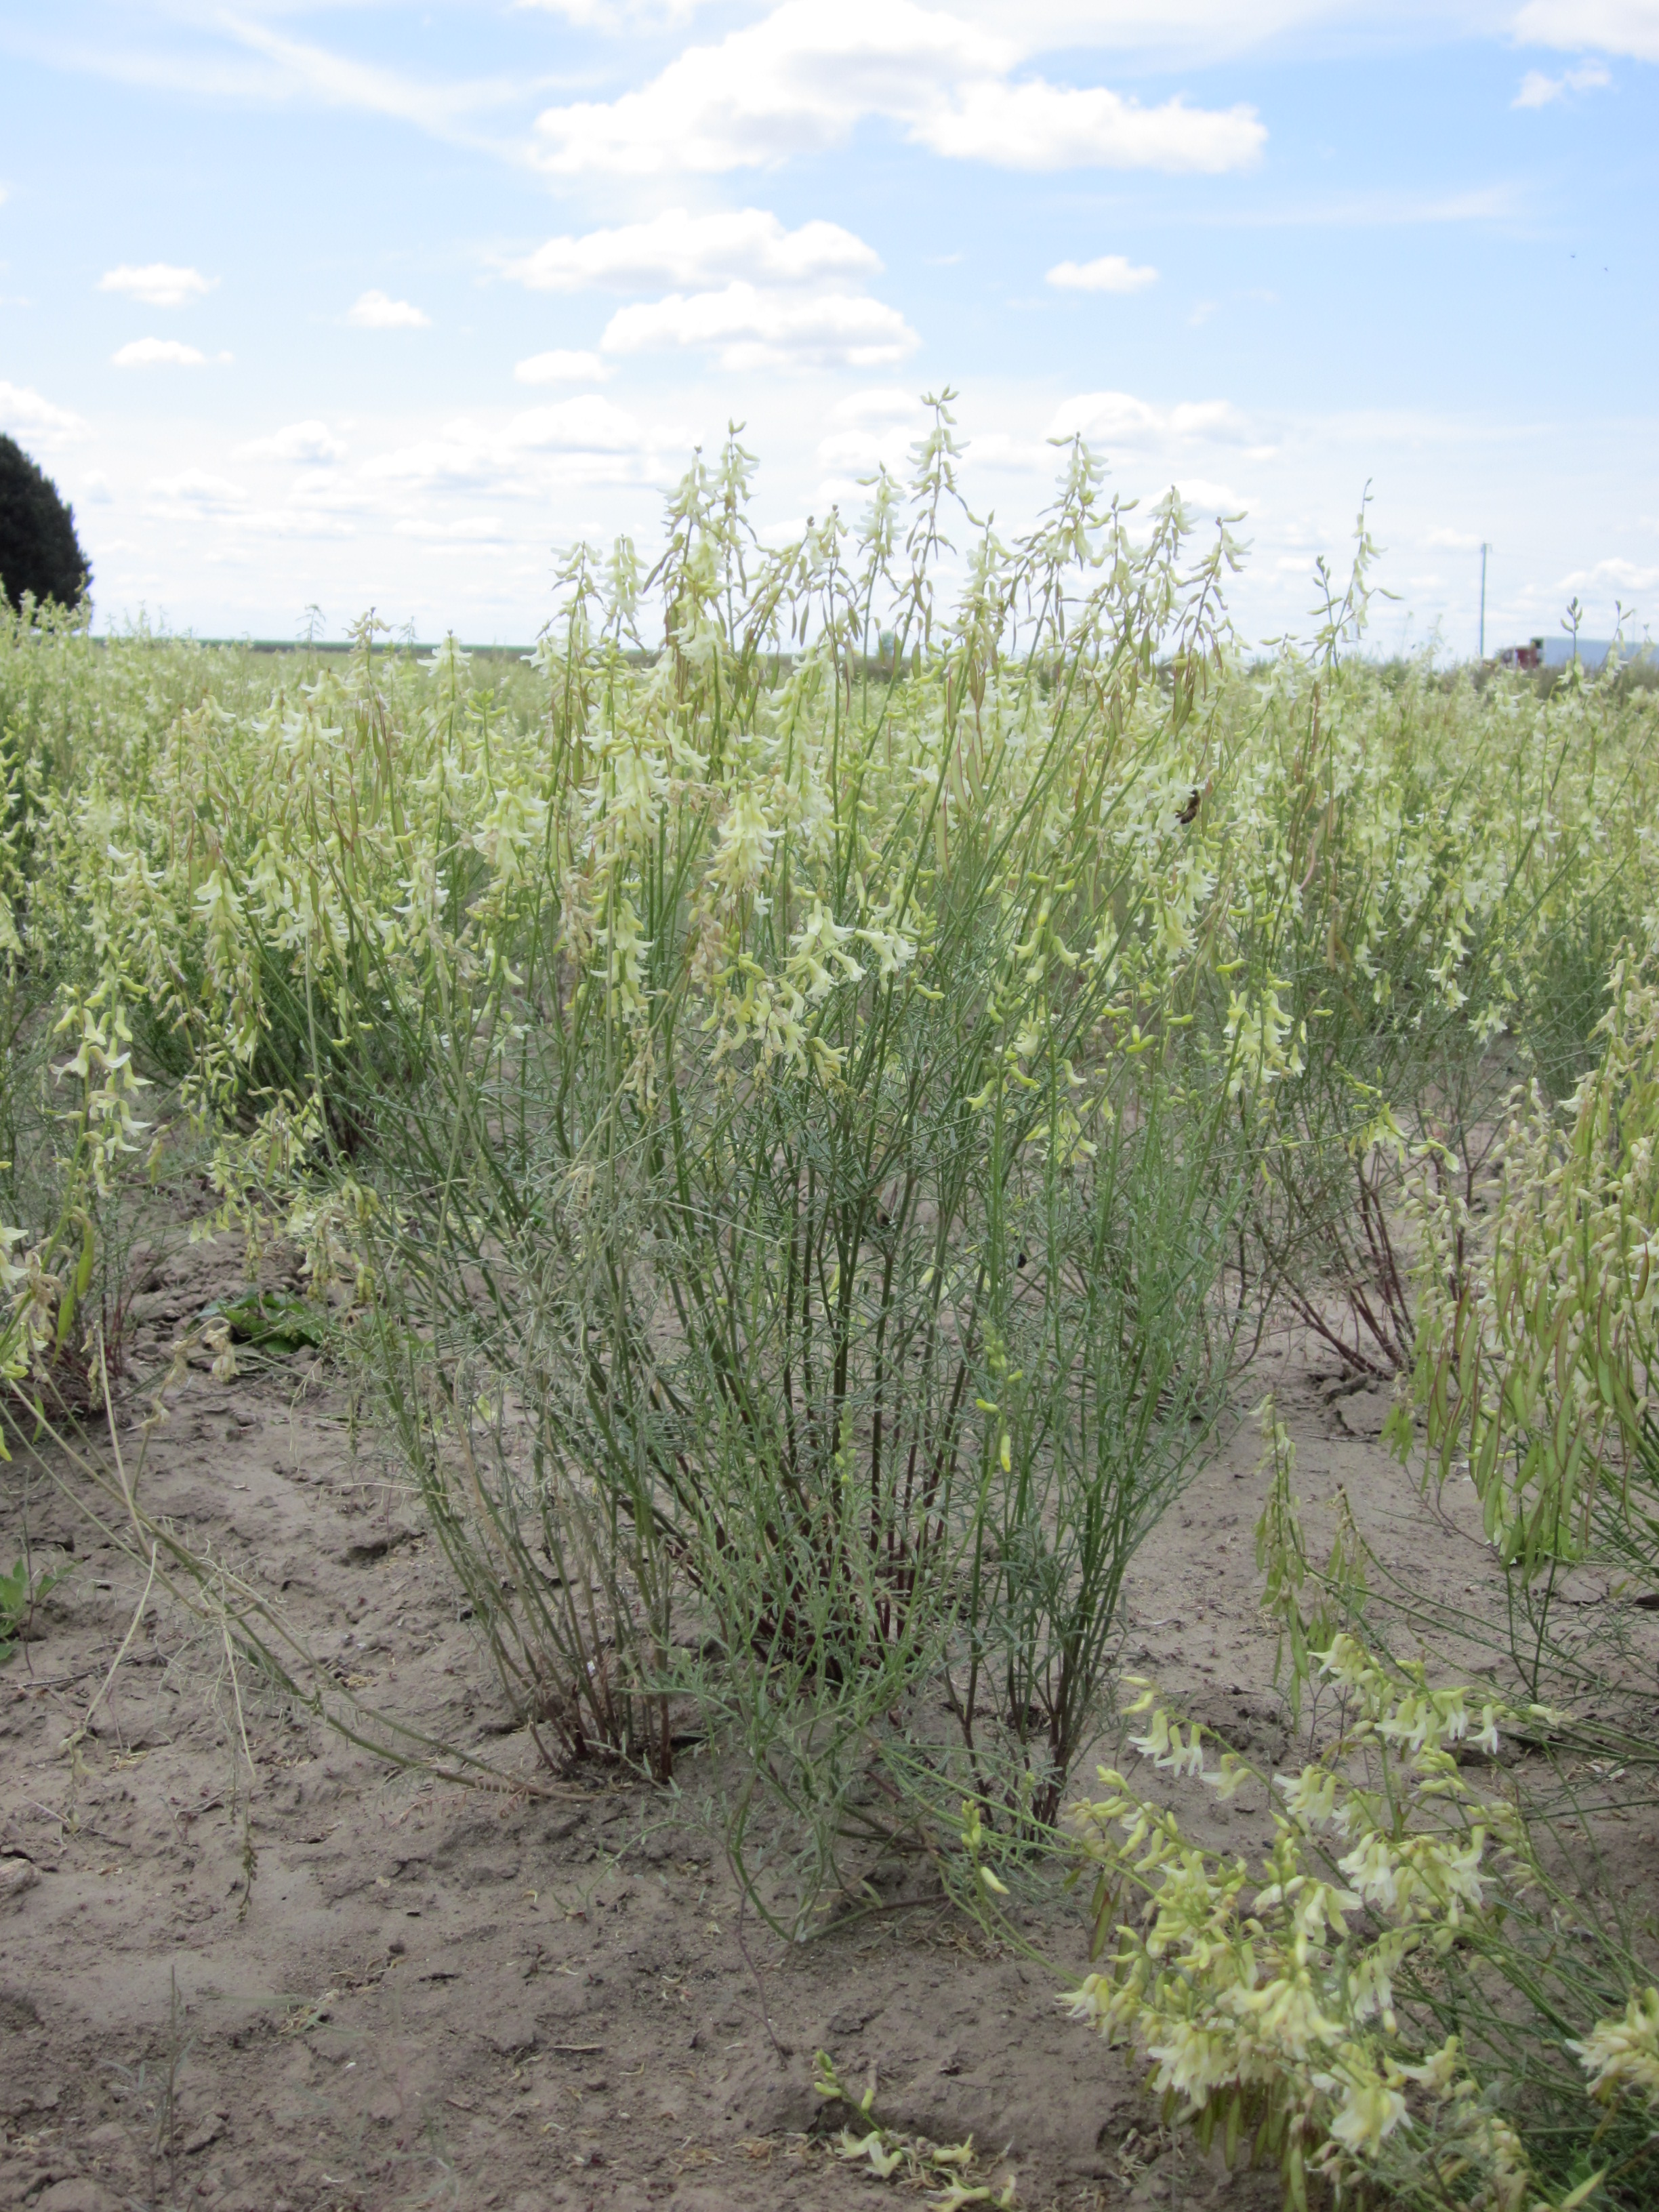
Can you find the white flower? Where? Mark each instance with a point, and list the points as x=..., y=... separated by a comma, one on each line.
x=1369, y=2110
x=1623, y=2053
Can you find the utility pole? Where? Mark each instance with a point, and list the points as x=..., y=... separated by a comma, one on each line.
x=1485, y=550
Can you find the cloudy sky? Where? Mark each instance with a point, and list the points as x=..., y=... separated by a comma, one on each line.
x=350, y=304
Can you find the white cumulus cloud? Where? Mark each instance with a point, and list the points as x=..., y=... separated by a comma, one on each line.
x=160, y=353
x=560, y=366
x=1620, y=575
x=379, y=311
x=746, y=328
x=802, y=79
x=585, y=439
x=195, y=495
x=1118, y=418
x=1537, y=90
x=295, y=521
x=1034, y=125
x=1204, y=492
x=588, y=425
x=1005, y=451
x=312, y=444
x=464, y=529
x=1610, y=27
x=616, y=16
x=879, y=405
x=874, y=427
x=157, y=284
x=1182, y=31
x=34, y=421
x=1112, y=272
x=683, y=251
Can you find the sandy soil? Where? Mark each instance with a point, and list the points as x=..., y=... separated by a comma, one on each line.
x=428, y=1995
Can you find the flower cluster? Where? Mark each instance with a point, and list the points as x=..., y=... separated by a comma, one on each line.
x=1624, y=2054
x=1270, y=2005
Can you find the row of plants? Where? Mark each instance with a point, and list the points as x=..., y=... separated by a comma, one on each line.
x=801, y=1101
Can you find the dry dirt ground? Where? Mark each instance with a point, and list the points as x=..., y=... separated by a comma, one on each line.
x=430, y=1995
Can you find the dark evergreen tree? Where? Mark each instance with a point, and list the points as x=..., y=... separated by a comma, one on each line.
x=40, y=552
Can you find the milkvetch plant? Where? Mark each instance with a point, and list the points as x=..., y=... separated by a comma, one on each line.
x=818, y=1224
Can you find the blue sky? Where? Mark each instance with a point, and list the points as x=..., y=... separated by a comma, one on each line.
x=366, y=303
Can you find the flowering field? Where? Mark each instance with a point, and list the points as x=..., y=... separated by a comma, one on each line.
x=800, y=1107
